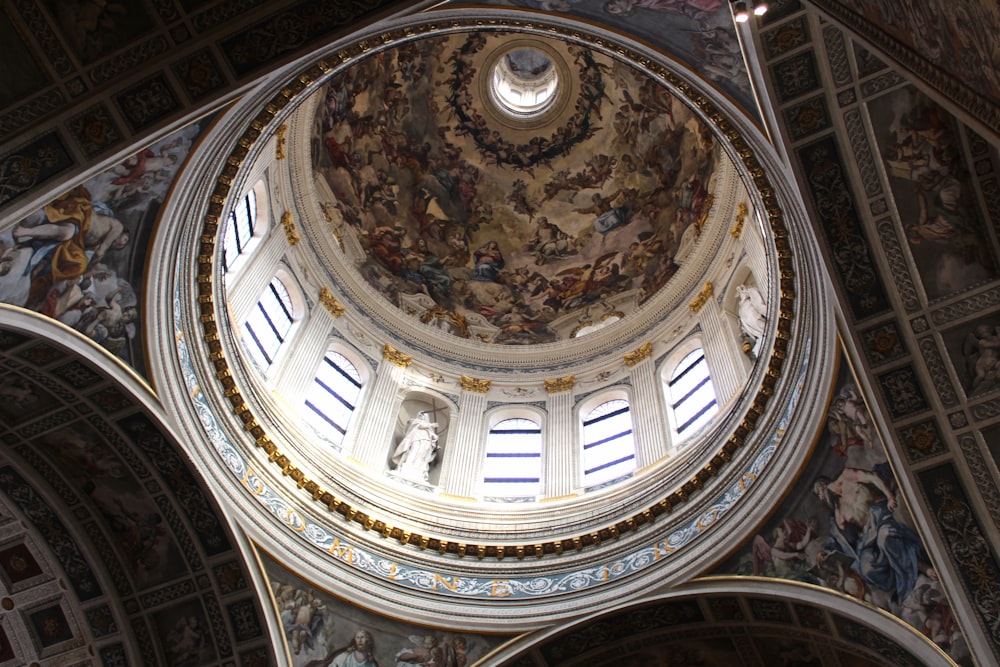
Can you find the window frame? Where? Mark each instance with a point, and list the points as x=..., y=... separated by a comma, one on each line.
x=320, y=420
x=593, y=478
x=496, y=418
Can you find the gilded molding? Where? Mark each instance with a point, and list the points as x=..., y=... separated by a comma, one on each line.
x=699, y=301
x=280, y=152
x=395, y=357
x=741, y=216
x=289, y=227
x=560, y=384
x=330, y=302
x=474, y=385
x=643, y=352
x=451, y=317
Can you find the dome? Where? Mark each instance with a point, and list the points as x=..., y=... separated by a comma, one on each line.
x=515, y=335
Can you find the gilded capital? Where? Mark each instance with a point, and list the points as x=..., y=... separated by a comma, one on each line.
x=289, y=226
x=395, y=357
x=279, y=148
x=741, y=216
x=474, y=385
x=702, y=298
x=560, y=384
x=330, y=302
x=644, y=352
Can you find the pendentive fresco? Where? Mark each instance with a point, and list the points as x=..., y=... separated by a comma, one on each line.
x=844, y=526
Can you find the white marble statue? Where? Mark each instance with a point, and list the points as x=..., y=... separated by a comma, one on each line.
x=753, y=311
x=417, y=449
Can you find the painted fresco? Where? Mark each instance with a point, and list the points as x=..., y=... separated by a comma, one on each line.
x=962, y=38
x=843, y=526
x=926, y=166
x=135, y=522
x=511, y=241
x=94, y=28
x=80, y=258
x=974, y=349
x=698, y=33
x=322, y=630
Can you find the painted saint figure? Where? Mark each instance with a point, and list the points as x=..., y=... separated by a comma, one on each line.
x=417, y=449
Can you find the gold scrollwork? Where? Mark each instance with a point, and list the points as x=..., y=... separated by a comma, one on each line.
x=279, y=149
x=289, y=227
x=643, y=352
x=330, y=302
x=474, y=385
x=560, y=384
x=702, y=298
x=395, y=357
x=741, y=217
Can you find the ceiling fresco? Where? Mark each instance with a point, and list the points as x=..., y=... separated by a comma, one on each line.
x=501, y=233
x=698, y=33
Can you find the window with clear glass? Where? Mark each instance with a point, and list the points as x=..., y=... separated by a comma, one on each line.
x=333, y=396
x=691, y=394
x=513, y=466
x=268, y=324
x=239, y=229
x=608, y=443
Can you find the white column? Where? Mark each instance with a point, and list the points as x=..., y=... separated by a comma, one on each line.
x=722, y=351
x=462, y=468
x=304, y=353
x=561, y=453
x=244, y=290
x=648, y=419
x=370, y=445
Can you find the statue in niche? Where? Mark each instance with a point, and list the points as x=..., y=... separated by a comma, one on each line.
x=753, y=317
x=417, y=450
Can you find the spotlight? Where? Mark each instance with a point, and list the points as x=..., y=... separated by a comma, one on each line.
x=759, y=8
x=740, y=13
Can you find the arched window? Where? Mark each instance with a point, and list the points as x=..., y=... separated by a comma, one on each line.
x=240, y=228
x=268, y=324
x=608, y=442
x=513, y=466
x=333, y=396
x=691, y=394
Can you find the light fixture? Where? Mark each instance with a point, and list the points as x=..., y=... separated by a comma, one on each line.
x=740, y=13
x=759, y=8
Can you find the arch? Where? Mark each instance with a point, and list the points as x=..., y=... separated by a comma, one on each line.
x=335, y=392
x=512, y=464
x=269, y=324
x=607, y=438
x=246, y=224
x=690, y=396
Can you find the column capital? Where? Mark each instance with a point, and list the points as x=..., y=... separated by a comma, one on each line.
x=395, y=357
x=330, y=302
x=474, y=385
x=560, y=384
x=702, y=298
x=643, y=352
